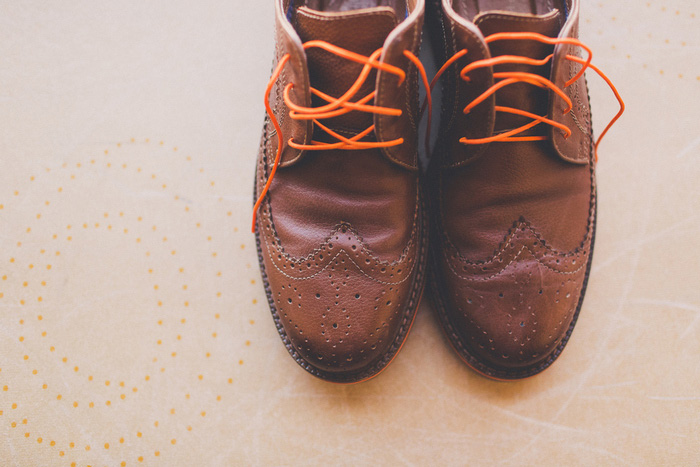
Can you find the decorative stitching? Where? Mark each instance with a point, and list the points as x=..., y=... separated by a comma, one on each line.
x=389, y=152
x=516, y=18
x=360, y=14
x=471, y=277
x=524, y=227
x=267, y=214
x=408, y=273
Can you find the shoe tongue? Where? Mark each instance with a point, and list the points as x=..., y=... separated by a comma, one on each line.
x=521, y=96
x=360, y=31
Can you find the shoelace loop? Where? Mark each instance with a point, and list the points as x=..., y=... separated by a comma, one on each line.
x=508, y=78
x=336, y=107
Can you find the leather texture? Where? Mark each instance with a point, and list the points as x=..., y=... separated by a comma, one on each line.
x=341, y=234
x=513, y=221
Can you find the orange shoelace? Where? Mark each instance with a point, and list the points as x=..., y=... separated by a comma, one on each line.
x=336, y=107
x=504, y=79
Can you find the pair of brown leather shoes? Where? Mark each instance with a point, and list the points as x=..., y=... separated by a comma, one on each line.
x=341, y=219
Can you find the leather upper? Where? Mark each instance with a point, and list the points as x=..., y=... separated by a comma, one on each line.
x=576, y=148
x=341, y=231
x=513, y=221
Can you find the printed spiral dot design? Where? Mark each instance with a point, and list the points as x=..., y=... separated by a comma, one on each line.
x=607, y=18
x=182, y=306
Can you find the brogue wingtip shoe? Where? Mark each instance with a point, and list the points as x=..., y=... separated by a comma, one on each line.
x=339, y=217
x=512, y=186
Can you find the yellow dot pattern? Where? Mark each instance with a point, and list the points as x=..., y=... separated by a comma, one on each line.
x=182, y=307
x=653, y=42
x=83, y=123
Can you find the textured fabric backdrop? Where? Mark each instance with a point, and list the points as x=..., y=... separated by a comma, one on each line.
x=134, y=328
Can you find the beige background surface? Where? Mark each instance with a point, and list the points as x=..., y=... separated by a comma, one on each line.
x=133, y=326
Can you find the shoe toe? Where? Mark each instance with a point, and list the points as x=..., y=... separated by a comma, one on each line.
x=345, y=321
x=510, y=317
x=342, y=312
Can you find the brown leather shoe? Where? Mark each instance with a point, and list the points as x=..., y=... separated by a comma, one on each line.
x=512, y=186
x=341, y=232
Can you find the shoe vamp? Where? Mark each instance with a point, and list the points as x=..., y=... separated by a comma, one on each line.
x=513, y=183
x=359, y=190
